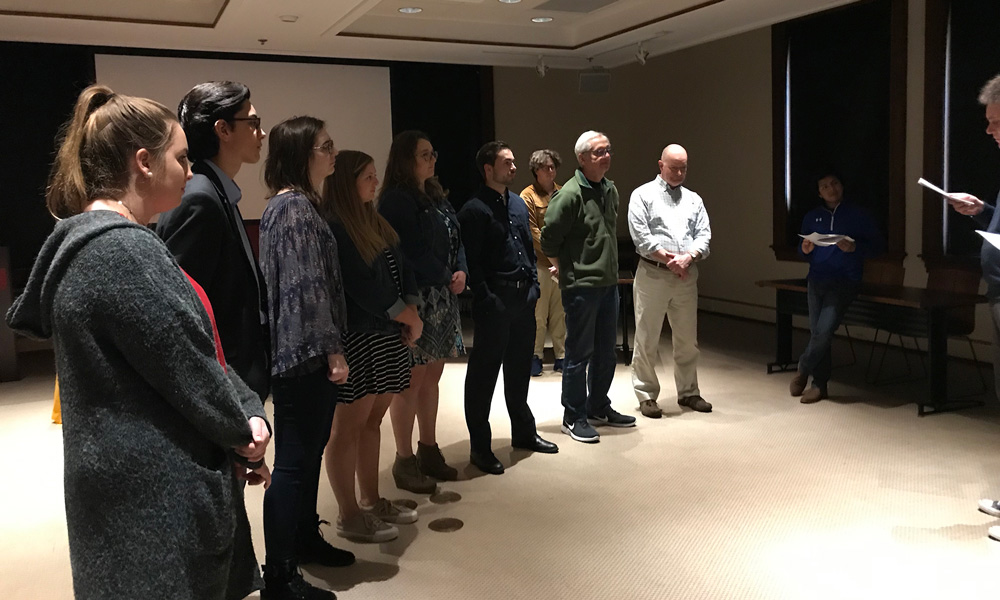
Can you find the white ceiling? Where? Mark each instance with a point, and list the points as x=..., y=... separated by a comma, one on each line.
x=489, y=32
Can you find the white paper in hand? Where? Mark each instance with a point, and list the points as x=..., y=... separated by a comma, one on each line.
x=826, y=239
x=993, y=238
x=938, y=190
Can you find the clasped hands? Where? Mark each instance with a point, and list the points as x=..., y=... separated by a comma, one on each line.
x=254, y=453
x=679, y=263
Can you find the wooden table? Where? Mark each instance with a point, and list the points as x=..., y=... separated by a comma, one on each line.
x=916, y=312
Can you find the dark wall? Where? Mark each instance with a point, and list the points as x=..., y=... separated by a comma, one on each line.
x=973, y=159
x=453, y=105
x=43, y=83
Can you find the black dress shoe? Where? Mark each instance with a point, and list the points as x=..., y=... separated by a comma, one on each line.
x=487, y=463
x=536, y=444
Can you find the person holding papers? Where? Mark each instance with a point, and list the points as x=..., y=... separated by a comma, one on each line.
x=834, y=277
x=989, y=218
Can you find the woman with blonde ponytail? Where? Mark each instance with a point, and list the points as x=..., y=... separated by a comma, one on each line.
x=382, y=321
x=157, y=430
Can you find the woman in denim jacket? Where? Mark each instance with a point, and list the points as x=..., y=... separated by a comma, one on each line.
x=414, y=203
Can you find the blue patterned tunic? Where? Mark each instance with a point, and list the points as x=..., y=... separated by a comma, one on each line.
x=298, y=258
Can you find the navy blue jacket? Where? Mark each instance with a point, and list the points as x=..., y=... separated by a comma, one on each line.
x=989, y=256
x=370, y=290
x=828, y=263
x=423, y=236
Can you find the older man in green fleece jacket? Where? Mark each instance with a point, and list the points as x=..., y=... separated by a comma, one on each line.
x=579, y=238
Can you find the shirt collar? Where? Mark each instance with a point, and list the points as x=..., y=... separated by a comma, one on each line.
x=233, y=192
x=673, y=192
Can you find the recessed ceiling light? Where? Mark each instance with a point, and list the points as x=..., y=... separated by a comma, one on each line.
x=542, y=20
x=510, y=1
x=411, y=10
x=289, y=18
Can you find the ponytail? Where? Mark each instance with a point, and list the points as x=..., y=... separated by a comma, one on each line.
x=97, y=144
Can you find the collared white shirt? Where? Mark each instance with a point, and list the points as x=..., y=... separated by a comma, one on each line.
x=672, y=219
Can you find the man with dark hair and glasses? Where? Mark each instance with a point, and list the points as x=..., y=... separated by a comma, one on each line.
x=502, y=277
x=580, y=240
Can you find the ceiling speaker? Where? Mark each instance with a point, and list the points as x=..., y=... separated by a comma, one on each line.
x=595, y=82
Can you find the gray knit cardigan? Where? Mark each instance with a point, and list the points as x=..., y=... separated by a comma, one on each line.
x=153, y=507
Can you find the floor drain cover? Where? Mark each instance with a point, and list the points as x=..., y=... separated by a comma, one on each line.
x=445, y=525
x=446, y=497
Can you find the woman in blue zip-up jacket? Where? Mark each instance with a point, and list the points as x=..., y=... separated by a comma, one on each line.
x=834, y=278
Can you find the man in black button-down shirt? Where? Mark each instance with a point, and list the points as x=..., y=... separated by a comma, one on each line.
x=504, y=283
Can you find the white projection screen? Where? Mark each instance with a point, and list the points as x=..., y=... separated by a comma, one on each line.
x=353, y=100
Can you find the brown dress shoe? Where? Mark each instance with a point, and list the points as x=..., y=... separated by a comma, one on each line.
x=696, y=403
x=813, y=395
x=649, y=408
x=798, y=384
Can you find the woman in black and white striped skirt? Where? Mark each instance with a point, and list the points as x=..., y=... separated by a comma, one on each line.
x=382, y=324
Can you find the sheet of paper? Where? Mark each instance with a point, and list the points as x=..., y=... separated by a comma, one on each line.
x=938, y=190
x=993, y=238
x=825, y=239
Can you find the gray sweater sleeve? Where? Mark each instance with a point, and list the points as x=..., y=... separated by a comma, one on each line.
x=156, y=321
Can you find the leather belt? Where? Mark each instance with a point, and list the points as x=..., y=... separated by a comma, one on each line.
x=517, y=284
x=655, y=263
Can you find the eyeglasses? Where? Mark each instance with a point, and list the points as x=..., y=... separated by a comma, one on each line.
x=428, y=156
x=601, y=152
x=254, y=121
x=546, y=168
x=326, y=147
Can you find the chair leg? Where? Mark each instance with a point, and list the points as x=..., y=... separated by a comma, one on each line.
x=979, y=367
x=850, y=342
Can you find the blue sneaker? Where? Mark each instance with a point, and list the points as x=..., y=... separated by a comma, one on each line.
x=558, y=366
x=536, y=366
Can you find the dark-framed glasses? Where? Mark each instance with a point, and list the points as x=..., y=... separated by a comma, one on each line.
x=428, y=156
x=326, y=147
x=254, y=121
x=601, y=152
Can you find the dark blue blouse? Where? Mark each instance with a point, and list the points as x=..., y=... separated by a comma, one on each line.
x=298, y=258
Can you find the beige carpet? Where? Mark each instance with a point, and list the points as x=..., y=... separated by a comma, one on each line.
x=854, y=497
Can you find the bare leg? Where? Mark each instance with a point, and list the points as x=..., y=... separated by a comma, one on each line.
x=403, y=410
x=368, y=449
x=427, y=403
x=341, y=454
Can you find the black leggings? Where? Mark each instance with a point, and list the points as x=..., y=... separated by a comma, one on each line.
x=303, y=415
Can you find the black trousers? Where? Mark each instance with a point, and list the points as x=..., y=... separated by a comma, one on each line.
x=506, y=339
x=303, y=414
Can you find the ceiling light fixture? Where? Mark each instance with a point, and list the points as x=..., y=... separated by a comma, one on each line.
x=641, y=54
x=411, y=10
x=289, y=18
x=542, y=20
x=541, y=67
x=510, y=1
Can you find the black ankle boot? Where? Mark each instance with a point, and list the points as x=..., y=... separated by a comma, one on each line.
x=312, y=548
x=283, y=581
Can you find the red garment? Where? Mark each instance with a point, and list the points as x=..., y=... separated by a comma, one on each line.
x=211, y=317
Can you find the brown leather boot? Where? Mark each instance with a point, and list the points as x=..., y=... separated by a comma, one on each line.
x=798, y=384
x=408, y=477
x=431, y=463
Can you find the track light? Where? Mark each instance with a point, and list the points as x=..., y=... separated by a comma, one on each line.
x=541, y=68
x=641, y=54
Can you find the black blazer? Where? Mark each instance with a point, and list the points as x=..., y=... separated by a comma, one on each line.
x=202, y=234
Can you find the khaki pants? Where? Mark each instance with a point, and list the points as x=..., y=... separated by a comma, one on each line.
x=549, y=315
x=658, y=293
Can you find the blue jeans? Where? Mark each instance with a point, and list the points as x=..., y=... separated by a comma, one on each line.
x=303, y=415
x=591, y=334
x=828, y=301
